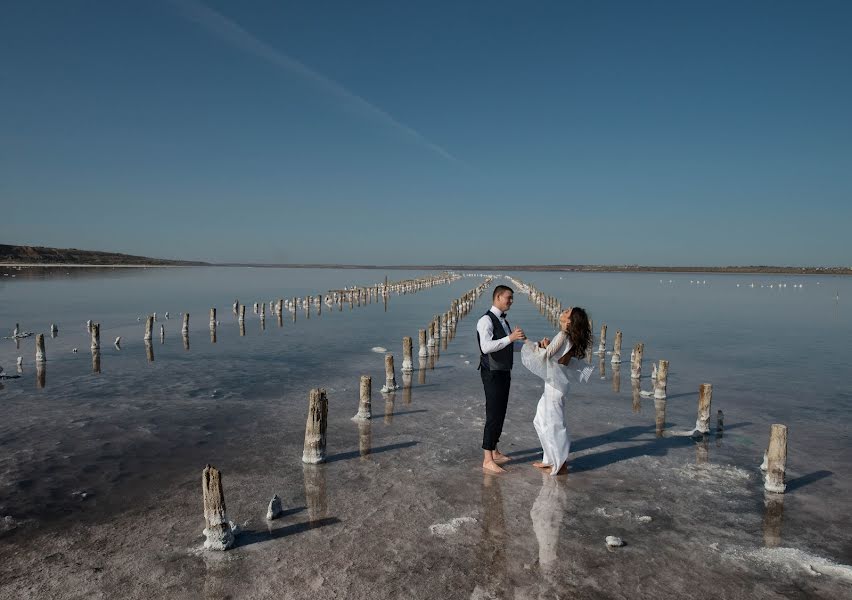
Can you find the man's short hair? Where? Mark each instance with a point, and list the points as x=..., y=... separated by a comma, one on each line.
x=500, y=289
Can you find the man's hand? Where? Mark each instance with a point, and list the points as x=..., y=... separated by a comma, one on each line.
x=517, y=335
x=544, y=342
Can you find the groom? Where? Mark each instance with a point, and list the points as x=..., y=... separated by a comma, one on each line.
x=496, y=340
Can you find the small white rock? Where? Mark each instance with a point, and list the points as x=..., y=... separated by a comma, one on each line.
x=613, y=541
x=275, y=509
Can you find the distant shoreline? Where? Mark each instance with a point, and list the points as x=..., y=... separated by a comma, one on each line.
x=749, y=270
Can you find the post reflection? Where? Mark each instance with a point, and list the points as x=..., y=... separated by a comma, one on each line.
x=149, y=350
x=702, y=449
x=365, y=438
x=616, y=378
x=406, y=388
x=491, y=549
x=773, y=513
x=389, y=400
x=186, y=342
x=96, y=361
x=421, y=372
x=602, y=366
x=636, y=388
x=41, y=375
x=315, y=491
x=720, y=427
x=242, y=329
x=660, y=416
x=212, y=335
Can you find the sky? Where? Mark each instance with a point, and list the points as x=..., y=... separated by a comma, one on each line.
x=568, y=132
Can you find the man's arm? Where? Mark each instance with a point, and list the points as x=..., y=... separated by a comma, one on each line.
x=485, y=328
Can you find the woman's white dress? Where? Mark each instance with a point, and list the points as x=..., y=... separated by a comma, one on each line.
x=549, y=419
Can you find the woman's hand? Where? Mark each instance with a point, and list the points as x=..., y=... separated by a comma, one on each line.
x=544, y=342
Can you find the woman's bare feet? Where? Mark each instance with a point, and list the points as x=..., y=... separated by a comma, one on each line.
x=542, y=465
x=492, y=467
x=563, y=470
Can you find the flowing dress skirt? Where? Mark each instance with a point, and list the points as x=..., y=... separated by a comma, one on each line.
x=549, y=424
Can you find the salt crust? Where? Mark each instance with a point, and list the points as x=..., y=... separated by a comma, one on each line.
x=450, y=527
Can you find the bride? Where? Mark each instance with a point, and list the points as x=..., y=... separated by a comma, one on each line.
x=557, y=361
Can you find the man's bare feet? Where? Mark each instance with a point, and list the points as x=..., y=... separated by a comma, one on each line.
x=492, y=467
x=542, y=465
x=500, y=459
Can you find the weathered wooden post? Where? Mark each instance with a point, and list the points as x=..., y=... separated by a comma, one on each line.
x=242, y=318
x=390, y=375
x=217, y=530
x=40, y=355
x=242, y=325
x=162, y=334
x=314, y=450
x=616, y=349
x=236, y=307
x=421, y=337
x=661, y=381
x=602, y=341
x=185, y=338
x=96, y=336
x=149, y=351
x=212, y=318
x=185, y=329
x=319, y=305
x=705, y=397
x=636, y=361
x=275, y=508
x=53, y=330
x=149, y=327
x=407, y=347
x=364, y=399
x=776, y=459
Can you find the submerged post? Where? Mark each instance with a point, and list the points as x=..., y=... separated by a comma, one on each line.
x=636, y=361
x=602, y=344
x=390, y=376
x=40, y=354
x=407, y=364
x=364, y=401
x=314, y=450
x=662, y=376
x=217, y=530
x=705, y=397
x=185, y=329
x=616, y=349
x=776, y=459
x=421, y=338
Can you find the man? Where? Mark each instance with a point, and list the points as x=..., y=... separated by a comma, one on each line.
x=496, y=341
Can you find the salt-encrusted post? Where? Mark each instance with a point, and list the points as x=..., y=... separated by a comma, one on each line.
x=616, y=349
x=162, y=334
x=96, y=336
x=319, y=305
x=390, y=375
x=776, y=457
x=636, y=361
x=217, y=530
x=705, y=397
x=602, y=344
x=314, y=450
x=149, y=327
x=421, y=338
x=212, y=318
x=185, y=329
x=149, y=350
x=364, y=399
x=53, y=330
x=236, y=307
x=185, y=337
x=407, y=347
x=242, y=313
x=662, y=376
x=40, y=355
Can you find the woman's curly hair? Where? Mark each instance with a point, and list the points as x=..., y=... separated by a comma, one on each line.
x=579, y=335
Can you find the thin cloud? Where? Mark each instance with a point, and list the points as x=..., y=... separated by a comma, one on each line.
x=229, y=31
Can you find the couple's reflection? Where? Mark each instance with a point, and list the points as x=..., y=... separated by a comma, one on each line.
x=547, y=513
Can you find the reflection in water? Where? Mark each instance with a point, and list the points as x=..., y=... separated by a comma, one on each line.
x=491, y=550
x=602, y=366
x=547, y=513
x=96, y=361
x=186, y=341
x=389, y=400
x=702, y=449
x=720, y=427
x=365, y=437
x=616, y=378
x=315, y=492
x=421, y=373
x=660, y=416
x=41, y=375
x=406, y=388
x=262, y=324
x=280, y=320
x=242, y=328
x=212, y=335
x=636, y=387
x=773, y=512
x=149, y=350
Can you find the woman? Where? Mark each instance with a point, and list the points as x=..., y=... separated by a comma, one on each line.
x=551, y=360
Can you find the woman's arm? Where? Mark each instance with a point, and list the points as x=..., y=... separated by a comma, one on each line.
x=556, y=344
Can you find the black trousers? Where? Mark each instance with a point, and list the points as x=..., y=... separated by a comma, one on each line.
x=496, y=384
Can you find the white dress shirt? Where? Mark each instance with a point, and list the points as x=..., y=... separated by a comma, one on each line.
x=485, y=328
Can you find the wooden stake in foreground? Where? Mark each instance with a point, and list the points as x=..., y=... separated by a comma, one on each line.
x=616, y=349
x=662, y=377
x=636, y=360
x=364, y=403
x=314, y=450
x=705, y=397
x=777, y=459
x=149, y=327
x=421, y=337
x=602, y=345
x=40, y=355
x=217, y=527
x=96, y=336
x=407, y=347
x=390, y=375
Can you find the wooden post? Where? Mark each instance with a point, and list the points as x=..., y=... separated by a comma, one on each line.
x=616, y=348
x=602, y=344
x=662, y=377
x=636, y=361
x=705, y=397
x=777, y=459
x=242, y=313
x=319, y=305
x=185, y=329
x=149, y=350
x=185, y=338
x=162, y=334
x=236, y=307
x=212, y=318
x=421, y=338
x=407, y=364
x=364, y=401
x=53, y=330
x=40, y=354
x=314, y=450
x=390, y=375
x=217, y=530
x=149, y=327
x=96, y=336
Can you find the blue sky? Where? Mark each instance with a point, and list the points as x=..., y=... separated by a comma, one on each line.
x=682, y=132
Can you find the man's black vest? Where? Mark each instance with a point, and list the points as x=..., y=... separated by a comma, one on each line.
x=502, y=359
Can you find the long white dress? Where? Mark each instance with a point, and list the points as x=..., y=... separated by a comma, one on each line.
x=549, y=419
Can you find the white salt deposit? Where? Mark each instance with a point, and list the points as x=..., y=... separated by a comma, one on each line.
x=378, y=349
x=450, y=527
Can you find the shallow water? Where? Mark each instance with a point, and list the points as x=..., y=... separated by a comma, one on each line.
x=135, y=436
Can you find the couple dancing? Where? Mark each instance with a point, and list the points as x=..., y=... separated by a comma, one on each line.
x=549, y=359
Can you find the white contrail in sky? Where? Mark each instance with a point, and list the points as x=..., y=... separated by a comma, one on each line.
x=231, y=32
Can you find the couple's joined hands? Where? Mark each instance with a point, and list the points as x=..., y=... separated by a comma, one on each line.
x=517, y=335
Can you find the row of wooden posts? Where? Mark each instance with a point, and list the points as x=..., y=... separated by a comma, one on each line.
x=219, y=531
x=775, y=457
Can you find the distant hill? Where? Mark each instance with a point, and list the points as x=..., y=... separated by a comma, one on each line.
x=39, y=255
